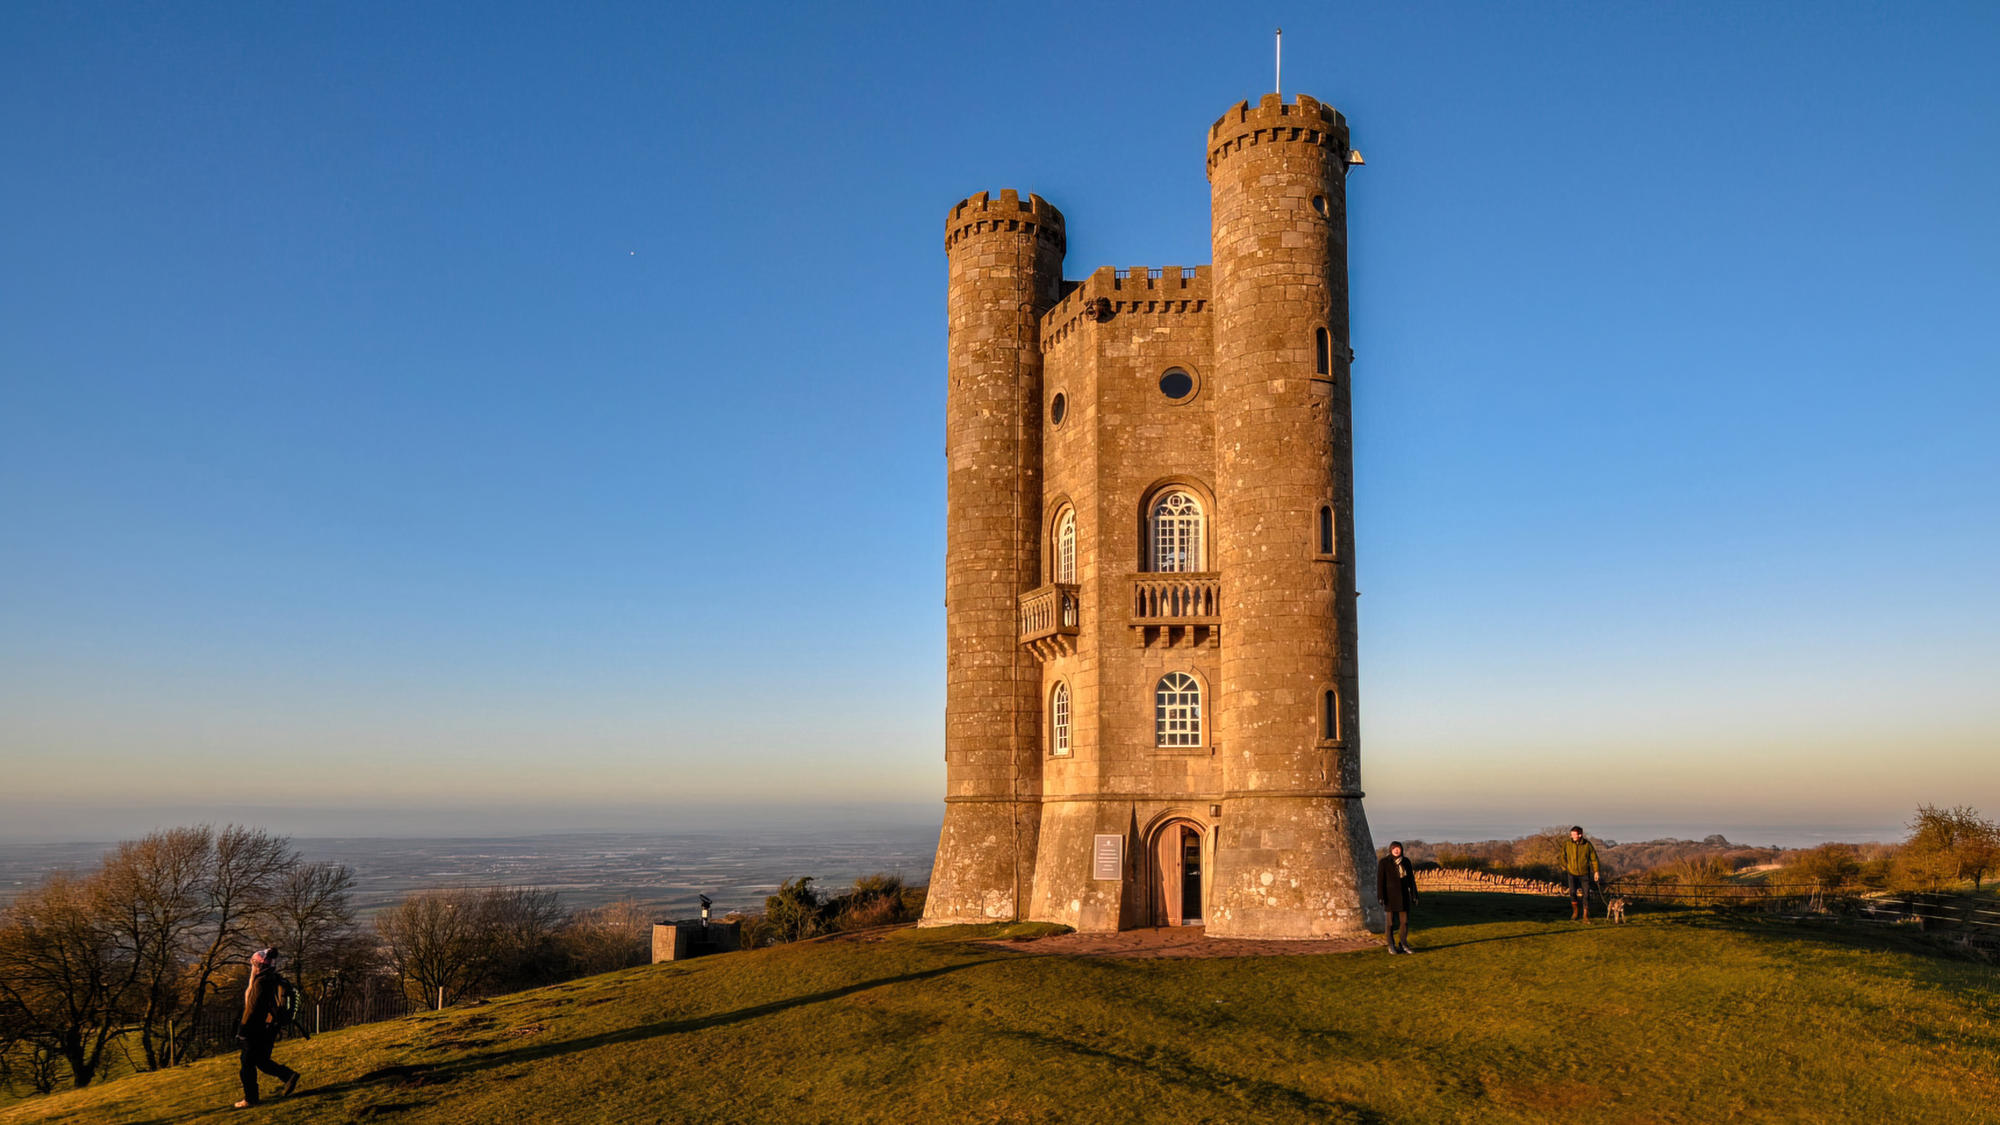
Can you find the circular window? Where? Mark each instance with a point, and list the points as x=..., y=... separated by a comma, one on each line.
x=1319, y=204
x=1176, y=384
x=1058, y=407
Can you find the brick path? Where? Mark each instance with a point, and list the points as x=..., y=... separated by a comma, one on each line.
x=1179, y=941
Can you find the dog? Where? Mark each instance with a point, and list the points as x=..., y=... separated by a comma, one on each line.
x=1616, y=909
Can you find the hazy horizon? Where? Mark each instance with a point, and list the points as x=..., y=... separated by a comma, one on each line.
x=107, y=825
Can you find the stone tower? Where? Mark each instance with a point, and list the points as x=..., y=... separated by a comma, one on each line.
x=1006, y=270
x=1151, y=692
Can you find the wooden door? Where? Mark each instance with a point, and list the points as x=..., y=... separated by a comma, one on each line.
x=1177, y=876
x=1167, y=864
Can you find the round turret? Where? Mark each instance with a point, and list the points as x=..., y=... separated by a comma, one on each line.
x=1277, y=183
x=1006, y=256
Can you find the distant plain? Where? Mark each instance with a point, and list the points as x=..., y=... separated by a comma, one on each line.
x=667, y=870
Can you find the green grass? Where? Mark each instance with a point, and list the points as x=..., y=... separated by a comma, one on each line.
x=1508, y=1016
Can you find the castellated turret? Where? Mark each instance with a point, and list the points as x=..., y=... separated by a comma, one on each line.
x=1151, y=684
x=1006, y=270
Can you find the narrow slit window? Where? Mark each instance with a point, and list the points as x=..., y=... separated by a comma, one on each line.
x=1326, y=529
x=1059, y=721
x=1322, y=352
x=1329, y=719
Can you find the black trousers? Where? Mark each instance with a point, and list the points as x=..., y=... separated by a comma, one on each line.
x=257, y=1044
x=1397, y=920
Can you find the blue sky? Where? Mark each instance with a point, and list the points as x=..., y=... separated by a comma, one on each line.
x=508, y=416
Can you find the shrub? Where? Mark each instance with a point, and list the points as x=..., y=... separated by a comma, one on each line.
x=1829, y=865
x=795, y=912
x=876, y=900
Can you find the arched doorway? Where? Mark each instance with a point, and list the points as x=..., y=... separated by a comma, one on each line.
x=1176, y=874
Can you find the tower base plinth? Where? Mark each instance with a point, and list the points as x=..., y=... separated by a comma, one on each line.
x=1294, y=867
x=985, y=862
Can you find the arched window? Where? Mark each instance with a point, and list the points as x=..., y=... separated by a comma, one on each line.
x=1066, y=546
x=1177, y=710
x=1322, y=352
x=1326, y=529
x=1329, y=715
x=1176, y=532
x=1059, y=720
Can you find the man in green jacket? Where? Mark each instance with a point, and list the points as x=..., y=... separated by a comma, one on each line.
x=1579, y=870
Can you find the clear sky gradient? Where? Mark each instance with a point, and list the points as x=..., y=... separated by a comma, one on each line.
x=514, y=417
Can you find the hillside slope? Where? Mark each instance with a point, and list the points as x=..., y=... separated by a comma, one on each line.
x=1508, y=1016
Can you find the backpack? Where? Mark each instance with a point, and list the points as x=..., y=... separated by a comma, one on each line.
x=286, y=1011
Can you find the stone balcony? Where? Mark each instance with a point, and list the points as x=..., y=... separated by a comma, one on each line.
x=1049, y=618
x=1177, y=608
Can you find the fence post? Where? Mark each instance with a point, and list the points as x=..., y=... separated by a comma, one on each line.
x=316, y=1023
x=440, y=998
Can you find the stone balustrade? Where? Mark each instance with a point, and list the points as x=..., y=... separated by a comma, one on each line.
x=1049, y=618
x=1187, y=598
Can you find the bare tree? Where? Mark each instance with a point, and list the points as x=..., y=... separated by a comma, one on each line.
x=149, y=892
x=450, y=943
x=64, y=979
x=520, y=927
x=434, y=942
x=152, y=935
x=311, y=918
x=238, y=884
x=25, y=1058
x=615, y=936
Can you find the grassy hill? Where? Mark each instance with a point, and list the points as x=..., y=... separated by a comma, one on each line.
x=1509, y=1015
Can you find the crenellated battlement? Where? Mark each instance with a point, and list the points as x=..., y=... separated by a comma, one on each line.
x=1111, y=291
x=982, y=213
x=1306, y=120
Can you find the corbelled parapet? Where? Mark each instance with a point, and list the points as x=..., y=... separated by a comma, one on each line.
x=983, y=213
x=1304, y=121
x=1111, y=292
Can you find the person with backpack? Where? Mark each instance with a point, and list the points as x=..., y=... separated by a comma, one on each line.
x=269, y=1003
x=1396, y=889
x=1579, y=860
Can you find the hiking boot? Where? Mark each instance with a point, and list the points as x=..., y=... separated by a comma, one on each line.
x=291, y=1084
x=1405, y=948
x=1392, y=948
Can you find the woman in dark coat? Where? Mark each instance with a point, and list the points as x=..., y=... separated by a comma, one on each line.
x=1396, y=889
x=260, y=1028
